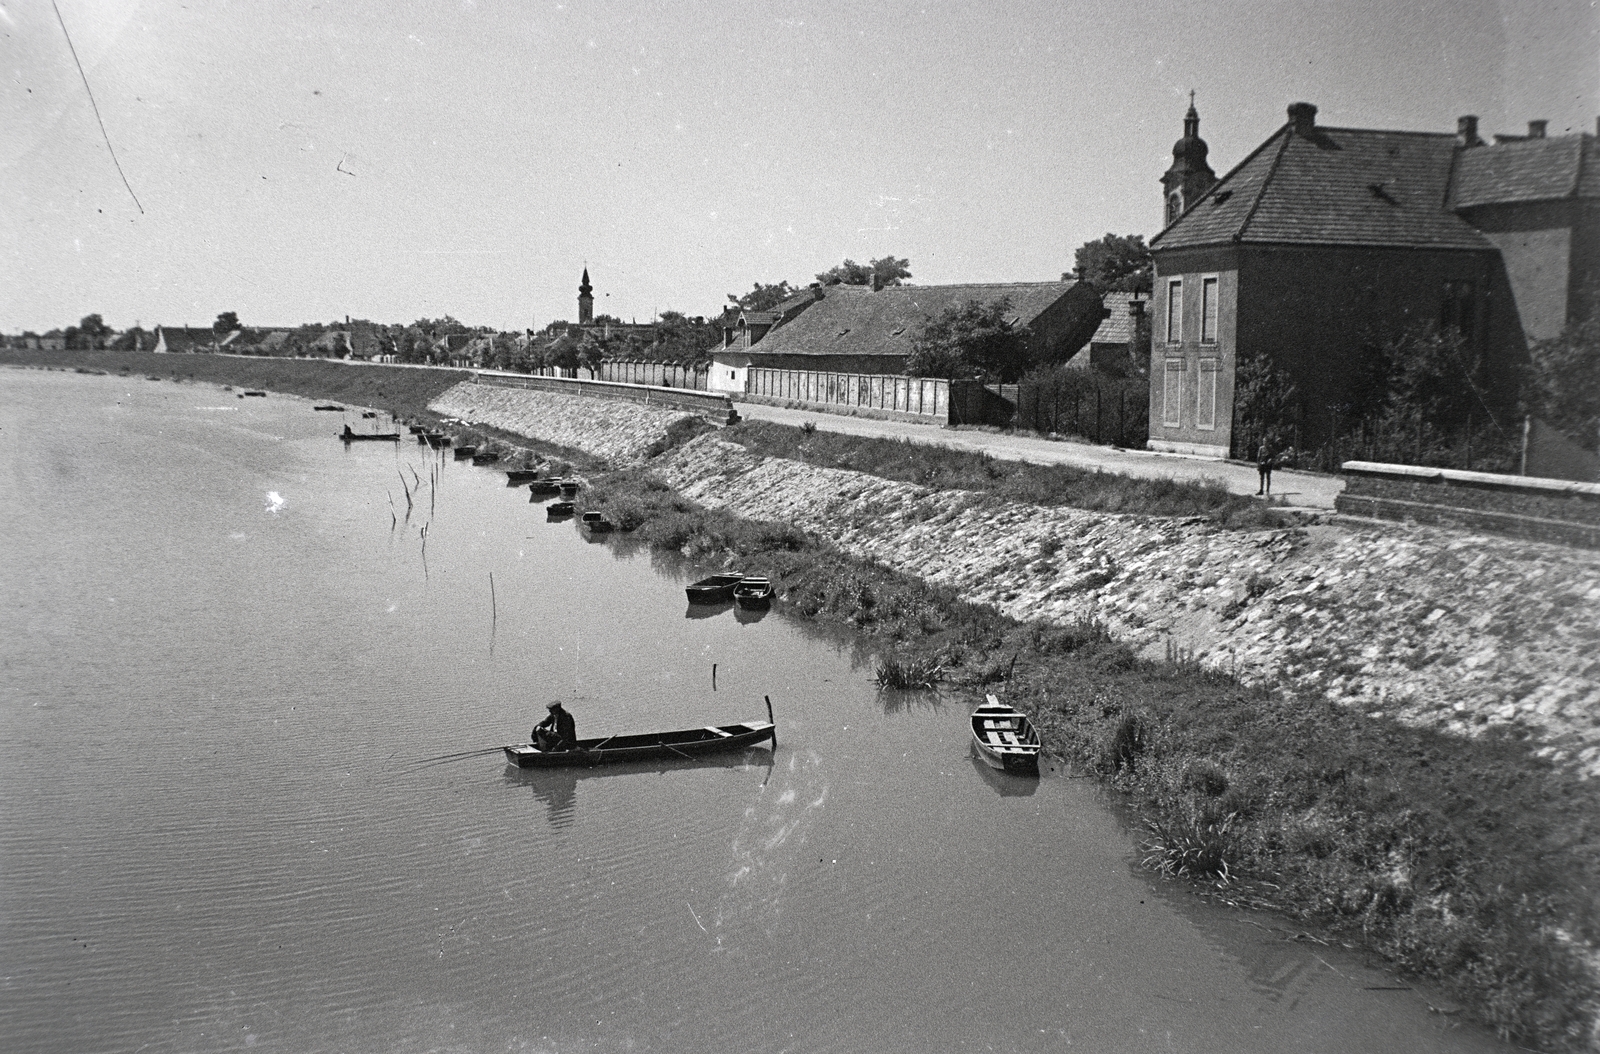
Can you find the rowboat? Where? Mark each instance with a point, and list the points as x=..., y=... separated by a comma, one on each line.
x=356, y=437
x=569, y=487
x=753, y=591
x=258, y=395
x=558, y=509
x=464, y=452
x=1005, y=739
x=516, y=477
x=714, y=590
x=649, y=746
x=597, y=522
x=543, y=487
x=487, y=457
x=328, y=406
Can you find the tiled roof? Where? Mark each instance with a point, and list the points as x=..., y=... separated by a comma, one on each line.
x=1526, y=170
x=1117, y=328
x=854, y=320
x=1335, y=186
x=184, y=338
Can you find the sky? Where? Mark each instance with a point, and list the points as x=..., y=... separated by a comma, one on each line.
x=299, y=161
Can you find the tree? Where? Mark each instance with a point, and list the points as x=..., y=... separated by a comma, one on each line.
x=1114, y=262
x=884, y=271
x=226, y=322
x=970, y=340
x=1563, y=386
x=684, y=340
x=765, y=297
x=91, y=332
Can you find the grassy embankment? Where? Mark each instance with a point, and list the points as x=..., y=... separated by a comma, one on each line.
x=1471, y=863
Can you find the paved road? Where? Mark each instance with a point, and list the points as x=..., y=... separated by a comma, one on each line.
x=1304, y=489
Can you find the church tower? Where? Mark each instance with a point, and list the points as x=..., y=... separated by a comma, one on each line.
x=1190, y=176
x=585, y=301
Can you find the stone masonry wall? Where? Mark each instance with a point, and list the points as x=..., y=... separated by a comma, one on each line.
x=1456, y=631
x=620, y=432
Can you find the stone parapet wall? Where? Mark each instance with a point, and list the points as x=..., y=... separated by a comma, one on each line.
x=1547, y=510
x=620, y=432
x=714, y=406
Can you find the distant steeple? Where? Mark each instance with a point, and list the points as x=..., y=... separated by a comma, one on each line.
x=1190, y=176
x=585, y=300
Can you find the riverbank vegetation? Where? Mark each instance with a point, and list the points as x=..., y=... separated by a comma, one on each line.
x=1472, y=863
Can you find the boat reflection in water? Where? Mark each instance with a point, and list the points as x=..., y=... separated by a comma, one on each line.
x=1002, y=783
x=557, y=788
x=746, y=616
x=708, y=610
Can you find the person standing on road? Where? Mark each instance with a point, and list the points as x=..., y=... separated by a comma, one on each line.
x=1264, y=468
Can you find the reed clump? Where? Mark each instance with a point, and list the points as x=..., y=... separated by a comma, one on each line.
x=909, y=671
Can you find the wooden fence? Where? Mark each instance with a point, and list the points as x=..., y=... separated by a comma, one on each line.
x=657, y=374
x=920, y=396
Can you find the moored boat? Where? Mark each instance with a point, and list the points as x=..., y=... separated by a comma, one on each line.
x=558, y=509
x=597, y=522
x=355, y=437
x=258, y=395
x=1005, y=739
x=464, y=452
x=516, y=477
x=329, y=406
x=544, y=487
x=436, y=440
x=753, y=591
x=714, y=590
x=569, y=487
x=485, y=457
x=649, y=746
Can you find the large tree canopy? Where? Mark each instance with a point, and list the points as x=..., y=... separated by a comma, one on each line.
x=884, y=271
x=1114, y=262
x=970, y=340
x=764, y=297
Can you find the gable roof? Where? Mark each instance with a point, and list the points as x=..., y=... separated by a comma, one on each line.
x=186, y=338
x=1117, y=328
x=1527, y=170
x=855, y=320
x=1332, y=186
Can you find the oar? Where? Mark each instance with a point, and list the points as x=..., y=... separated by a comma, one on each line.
x=773, y=723
x=463, y=754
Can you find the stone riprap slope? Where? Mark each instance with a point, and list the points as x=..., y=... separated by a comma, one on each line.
x=1452, y=630
x=620, y=432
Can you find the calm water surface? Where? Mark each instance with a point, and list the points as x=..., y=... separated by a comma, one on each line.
x=226, y=656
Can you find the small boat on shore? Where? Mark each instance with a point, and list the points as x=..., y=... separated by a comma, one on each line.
x=258, y=395
x=516, y=477
x=597, y=522
x=714, y=590
x=544, y=487
x=356, y=437
x=649, y=746
x=464, y=452
x=335, y=407
x=753, y=591
x=558, y=510
x=1005, y=739
x=486, y=457
x=569, y=487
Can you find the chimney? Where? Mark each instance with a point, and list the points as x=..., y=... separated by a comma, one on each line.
x=1467, y=131
x=1303, y=116
x=1536, y=129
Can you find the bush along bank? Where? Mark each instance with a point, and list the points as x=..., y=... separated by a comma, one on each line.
x=1470, y=861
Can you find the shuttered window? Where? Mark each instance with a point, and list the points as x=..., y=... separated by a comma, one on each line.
x=1208, y=310
x=1172, y=394
x=1175, y=311
x=1205, y=416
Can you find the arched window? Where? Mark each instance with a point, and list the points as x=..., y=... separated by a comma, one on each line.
x=1174, y=206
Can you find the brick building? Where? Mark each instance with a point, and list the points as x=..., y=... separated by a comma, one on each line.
x=1324, y=239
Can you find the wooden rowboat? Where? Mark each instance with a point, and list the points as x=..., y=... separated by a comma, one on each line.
x=714, y=590
x=597, y=522
x=464, y=452
x=559, y=509
x=649, y=746
x=1005, y=739
x=543, y=487
x=485, y=457
x=516, y=477
x=328, y=406
x=356, y=437
x=753, y=591
x=569, y=487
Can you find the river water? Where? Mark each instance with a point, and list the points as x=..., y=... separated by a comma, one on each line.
x=227, y=655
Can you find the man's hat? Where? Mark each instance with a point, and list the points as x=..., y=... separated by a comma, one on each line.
x=553, y=706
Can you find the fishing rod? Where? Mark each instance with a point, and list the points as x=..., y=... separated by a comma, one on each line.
x=462, y=755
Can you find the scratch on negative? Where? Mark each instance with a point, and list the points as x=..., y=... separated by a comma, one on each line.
x=697, y=921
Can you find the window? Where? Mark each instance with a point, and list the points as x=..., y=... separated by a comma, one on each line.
x=1458, y=309
x=1208, y=310
x=1205, y=416
x=1172, y=394
x=1174, y=206
x=1175, y=311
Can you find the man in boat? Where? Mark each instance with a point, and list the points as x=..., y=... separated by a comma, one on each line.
x=558, y=731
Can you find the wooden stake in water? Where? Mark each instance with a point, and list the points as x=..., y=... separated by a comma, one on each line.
x=713, y=677
x=494, y=609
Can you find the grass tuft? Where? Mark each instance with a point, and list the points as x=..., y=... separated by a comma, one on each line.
x=917, y=671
